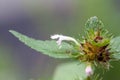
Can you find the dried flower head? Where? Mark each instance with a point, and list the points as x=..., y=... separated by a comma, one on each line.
x=94, y=46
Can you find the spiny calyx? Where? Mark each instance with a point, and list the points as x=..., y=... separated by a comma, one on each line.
x=96, y=48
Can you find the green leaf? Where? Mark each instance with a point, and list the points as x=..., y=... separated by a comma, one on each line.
x=93, y=23
x=116, y=56
x=70, y=71
x=115, y=47
x=46, y=47
x=115, y=44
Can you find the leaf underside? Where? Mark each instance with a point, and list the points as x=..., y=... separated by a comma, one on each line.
x=70, y=71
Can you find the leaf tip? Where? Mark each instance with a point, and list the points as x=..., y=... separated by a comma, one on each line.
x=15, y=33
x=11, y=31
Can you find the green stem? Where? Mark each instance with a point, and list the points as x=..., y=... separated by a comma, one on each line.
x=89, y=78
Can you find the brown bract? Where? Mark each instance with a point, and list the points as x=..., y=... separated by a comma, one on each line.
x=95, y=53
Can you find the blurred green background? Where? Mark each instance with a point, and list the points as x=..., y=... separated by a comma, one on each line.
x=40, y=19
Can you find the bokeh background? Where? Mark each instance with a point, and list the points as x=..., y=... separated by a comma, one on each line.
x=40, y=19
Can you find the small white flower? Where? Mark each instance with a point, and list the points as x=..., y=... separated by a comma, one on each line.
x=89, y=70
x=63, y=38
